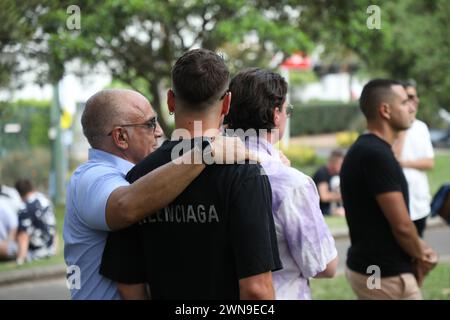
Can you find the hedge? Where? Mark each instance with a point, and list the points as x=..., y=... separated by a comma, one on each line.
x=315, y=119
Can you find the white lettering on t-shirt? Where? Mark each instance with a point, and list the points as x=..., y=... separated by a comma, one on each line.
x=184, y=214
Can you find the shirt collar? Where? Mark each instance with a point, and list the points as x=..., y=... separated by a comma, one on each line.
x=96, y=155
x=263, y=147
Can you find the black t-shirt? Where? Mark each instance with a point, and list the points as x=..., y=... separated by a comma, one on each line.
x=370, y=169
x=322, y=175
x=217, y=231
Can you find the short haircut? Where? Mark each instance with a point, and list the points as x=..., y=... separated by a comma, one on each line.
x=373, y=94
x=409, y=84
x=336, y=154
x=24, y=186
x=200, y=77
x=255, y=93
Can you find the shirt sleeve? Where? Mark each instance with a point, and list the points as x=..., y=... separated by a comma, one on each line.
x=382, y=173
x=252, y=228
x=309, y=240
x=123, y=258
x=94, y=189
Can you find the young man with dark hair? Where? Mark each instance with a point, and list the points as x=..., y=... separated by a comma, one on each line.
x=415, y=154
x=307, y=248
x=375, y=194
x=327, y=181
x=216, y=240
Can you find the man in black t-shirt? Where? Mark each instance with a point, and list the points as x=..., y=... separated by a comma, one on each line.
x=216, y=240
x=386, y=259
x=327, y=181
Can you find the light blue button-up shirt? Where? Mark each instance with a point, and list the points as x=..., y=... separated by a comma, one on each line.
x=85, y=229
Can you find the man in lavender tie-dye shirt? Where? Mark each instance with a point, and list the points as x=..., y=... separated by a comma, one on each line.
x=306, y=246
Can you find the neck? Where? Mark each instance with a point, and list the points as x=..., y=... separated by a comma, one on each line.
x=383, y=131
x=117, y=152
x=273, y=136
x=188, y=127
x=28, y=195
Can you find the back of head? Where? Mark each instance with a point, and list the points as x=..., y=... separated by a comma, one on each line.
x=336, y=154
x=374, y=93
x=24, y=186
x=200, y=78
x=409, y=84
x=255, y=95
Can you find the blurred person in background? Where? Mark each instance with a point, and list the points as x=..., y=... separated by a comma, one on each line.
x=36, y=232
x=327, y=181
x=10, y=204
x=414, y=152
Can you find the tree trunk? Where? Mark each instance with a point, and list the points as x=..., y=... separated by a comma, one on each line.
x=157, y=106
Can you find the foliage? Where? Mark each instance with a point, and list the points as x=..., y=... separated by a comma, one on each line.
x=34, y=117
x=346, y=138
x=413, y=42
x=33, y=164
x=300, y=156
x=139, y=40
x=322, y=119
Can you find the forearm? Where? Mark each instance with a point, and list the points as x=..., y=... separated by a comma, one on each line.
x=330, y=270
x=396, y=212
x=330, y=196
x=257, y=287
x=420, y=164
x=326, y=195
x=23, y=241
x=409, y=240
x=154, y=191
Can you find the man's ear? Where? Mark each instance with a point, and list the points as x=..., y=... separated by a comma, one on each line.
x=171, y=100
x=120, y=138
x=276, y=117
x=384, y=111
x=226, y=104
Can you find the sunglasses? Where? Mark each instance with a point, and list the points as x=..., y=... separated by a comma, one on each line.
x=150, y=124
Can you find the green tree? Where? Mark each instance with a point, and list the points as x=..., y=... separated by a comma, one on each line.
x=412, y=42
x=140, y=40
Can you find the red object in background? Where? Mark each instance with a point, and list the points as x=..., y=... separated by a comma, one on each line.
x=297, y=61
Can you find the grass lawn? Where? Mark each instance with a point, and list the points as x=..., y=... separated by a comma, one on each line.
x=441, y=171
x=436, y=286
